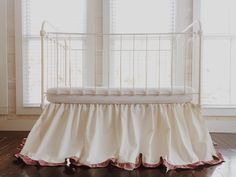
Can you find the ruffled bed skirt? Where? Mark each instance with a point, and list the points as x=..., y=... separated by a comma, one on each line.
x=125, y=135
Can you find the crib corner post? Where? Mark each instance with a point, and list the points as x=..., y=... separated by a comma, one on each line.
x=200, y=34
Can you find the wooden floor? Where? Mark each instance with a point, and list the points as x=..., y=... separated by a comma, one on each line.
x=10, y=140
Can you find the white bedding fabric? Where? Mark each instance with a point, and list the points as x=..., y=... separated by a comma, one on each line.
x=117, y=96
x=120, y=91
x=91, y=134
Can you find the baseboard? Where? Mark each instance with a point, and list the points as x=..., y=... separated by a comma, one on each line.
x=16, y=124
x=215, y=124
x=221, y=124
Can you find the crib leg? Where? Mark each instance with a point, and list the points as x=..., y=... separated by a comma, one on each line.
x=18, y=161
x=215, y=143
x=69, y=169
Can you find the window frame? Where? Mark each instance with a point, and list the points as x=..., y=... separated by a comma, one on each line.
x=20, y=108
x=3, y=59
x=207, y=109
x=107, y=66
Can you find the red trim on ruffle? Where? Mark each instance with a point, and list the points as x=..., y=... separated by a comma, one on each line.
x=126, y=165
x=218, y=158
x=30, y=161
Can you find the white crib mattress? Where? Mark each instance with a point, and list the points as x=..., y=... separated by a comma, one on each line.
x=118, y=96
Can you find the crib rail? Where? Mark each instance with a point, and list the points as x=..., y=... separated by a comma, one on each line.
x=137, y=60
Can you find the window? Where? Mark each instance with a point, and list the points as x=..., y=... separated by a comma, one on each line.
x=144, y=17
x=66, y=15
x=219, y=53
x=3, y=59
x=114, y=16
x=82, y=16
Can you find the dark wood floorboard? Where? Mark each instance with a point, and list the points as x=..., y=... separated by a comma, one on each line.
x=226, y=143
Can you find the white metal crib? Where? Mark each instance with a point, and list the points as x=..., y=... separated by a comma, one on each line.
x=124, y=99
x=146, y=67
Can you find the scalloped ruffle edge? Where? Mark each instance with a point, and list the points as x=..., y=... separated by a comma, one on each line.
x=217, y=159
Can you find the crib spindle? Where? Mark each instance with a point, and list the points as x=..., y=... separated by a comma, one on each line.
x=82, y=61
x=133, y=64
x=60, y=64
x=54, y=62
x=57, y=60
x=172, y=64
x=51, y=62
x=200, y=65
x=108, y=64
x=42, y=33
x=65, y=60
x=47, y=60
x=185, y=62
x=69, y=57
x=95, y=62
x=146, y=63
x=121, y=63
x=159, y=64
x=61, y=67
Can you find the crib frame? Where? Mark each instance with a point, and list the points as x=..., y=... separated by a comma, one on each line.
x=61, y=42
x=69, y=130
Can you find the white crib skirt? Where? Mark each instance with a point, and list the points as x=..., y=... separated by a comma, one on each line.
x=125, y=135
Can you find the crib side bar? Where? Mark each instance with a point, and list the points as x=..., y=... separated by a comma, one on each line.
x=116, y=34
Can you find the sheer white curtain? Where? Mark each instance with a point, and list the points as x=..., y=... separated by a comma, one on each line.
x=219, y=56
x=66, y=15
